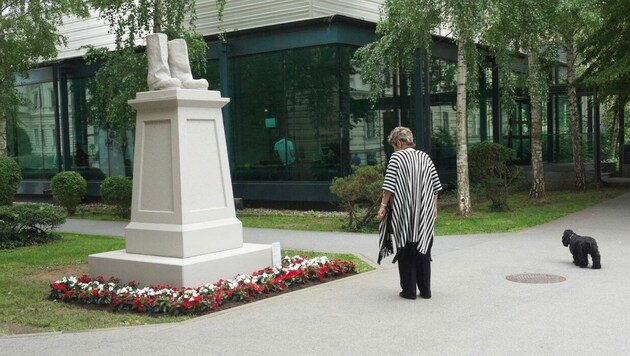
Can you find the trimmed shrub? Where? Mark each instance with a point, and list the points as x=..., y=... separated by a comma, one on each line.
x=10, y=178
x=28, y=224
x=490, y=165
x=117, y=191
x=68, y=188
x=360, y=194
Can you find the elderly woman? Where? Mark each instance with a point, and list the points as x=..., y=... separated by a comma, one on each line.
x=407, y=213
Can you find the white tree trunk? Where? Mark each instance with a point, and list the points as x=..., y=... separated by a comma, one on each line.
x=463, y=189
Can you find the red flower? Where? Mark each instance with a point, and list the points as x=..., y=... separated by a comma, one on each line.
x=207, y=300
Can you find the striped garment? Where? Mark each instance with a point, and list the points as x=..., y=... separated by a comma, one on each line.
x=413, y=180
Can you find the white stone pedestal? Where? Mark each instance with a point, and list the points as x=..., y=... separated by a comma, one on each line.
x=183, y=229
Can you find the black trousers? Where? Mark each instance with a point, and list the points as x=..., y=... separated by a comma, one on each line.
x=415, y=270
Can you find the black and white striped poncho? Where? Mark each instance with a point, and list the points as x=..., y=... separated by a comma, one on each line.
x=413, y=180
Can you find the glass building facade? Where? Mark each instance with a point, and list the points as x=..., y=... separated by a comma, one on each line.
x=299, y=114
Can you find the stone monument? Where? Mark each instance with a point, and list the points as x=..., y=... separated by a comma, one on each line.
x=183, y=230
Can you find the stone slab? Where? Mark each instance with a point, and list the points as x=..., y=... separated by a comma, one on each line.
x=180, y=272
x=183, y=241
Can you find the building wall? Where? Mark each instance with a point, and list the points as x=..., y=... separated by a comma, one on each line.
x=326, y=110
x=238, y=15
x=83, y=32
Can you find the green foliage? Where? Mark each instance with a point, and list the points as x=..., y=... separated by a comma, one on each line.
x=27, y=224
x=490, y=166
x=10, y=178
x=68, y=188
x=117, y=191
x=404, y=30
x=28, y=35
x=515, y=26
x=124, y=72
x=606, y=49
x=360, y=194
x=108, y=107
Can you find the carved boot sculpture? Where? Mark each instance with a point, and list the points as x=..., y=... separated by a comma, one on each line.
x=159, y=76
x=180, y=65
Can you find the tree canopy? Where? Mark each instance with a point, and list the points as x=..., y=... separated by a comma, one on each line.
x=28, y=35
x=607, y=50
x=123, y=72
x=403, y=32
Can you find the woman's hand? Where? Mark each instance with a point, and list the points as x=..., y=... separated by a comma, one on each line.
x=381, y=213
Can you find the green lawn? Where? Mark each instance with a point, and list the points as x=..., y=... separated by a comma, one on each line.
x=524, y=213
x=27, y=273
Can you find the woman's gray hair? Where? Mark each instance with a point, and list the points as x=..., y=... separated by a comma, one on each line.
x=403, y=135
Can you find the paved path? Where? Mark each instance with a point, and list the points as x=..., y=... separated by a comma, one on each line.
x=474, y=309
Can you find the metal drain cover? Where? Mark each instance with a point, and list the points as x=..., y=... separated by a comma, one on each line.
x=535, y=278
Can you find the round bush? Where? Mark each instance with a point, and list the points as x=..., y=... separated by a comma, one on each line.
x=68, y=188
x=27, y=224
x=490, y=165
x=117, y=191
x=10, y=178
x=360, y=194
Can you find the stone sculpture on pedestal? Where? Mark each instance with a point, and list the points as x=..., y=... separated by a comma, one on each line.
x=169, y=67
x=183, y=229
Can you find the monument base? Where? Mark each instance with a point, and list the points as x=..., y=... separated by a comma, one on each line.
x=183, y=241
x=180, y=272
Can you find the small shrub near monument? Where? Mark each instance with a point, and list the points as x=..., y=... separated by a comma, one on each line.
x=29, y=224
x=68, y=188
x=360, y=194
x=490, y=165
x=117, y=191
x=10, y=178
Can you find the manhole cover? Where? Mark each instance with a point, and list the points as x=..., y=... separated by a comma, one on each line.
x=535, y=278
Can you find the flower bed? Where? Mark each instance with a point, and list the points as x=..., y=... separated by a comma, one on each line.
x=293, y=271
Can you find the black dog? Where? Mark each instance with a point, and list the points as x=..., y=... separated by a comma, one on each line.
x=581, y=247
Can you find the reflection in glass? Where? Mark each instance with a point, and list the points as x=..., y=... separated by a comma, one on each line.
x=290, y=115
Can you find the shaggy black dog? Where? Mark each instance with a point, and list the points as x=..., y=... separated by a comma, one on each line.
x=581, y=247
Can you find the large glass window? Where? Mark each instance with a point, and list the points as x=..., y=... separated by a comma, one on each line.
x=443, y=96
x=287, y=119
x=40, y=150
x=366, y=124
x=96, y=152
x=31, y=135
x=562, y=137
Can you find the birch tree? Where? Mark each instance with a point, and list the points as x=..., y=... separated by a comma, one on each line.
x=606, y=50
x=523, y=25
x=467, y=21
x=572, y=21
x=404, y=29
